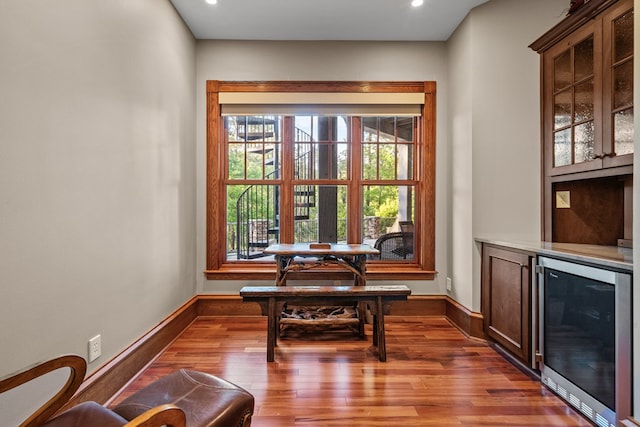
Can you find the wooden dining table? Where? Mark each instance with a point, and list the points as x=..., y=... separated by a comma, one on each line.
x=292, y=257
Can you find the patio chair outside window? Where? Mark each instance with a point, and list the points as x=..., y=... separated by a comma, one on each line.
x=397, y=245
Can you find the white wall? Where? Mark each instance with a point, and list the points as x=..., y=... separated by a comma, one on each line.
x=494, y=121
x=97, y=129
x=460, y=163
x=359, y=61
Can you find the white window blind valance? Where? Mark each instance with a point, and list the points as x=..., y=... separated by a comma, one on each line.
x=300, y=103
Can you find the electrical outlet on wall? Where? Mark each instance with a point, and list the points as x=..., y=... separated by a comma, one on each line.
x=95, y=348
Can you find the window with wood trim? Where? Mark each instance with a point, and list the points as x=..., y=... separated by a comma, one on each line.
x=333, y=171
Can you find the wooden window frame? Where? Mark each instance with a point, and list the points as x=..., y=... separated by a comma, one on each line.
x=218, y=268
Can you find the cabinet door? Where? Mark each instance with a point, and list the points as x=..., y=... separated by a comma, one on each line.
x=506, y=299
x=617, y=33
x=588, y=95
x=573, y=108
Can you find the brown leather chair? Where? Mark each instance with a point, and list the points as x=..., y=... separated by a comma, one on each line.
x=86, y=413
x=93, y=414
x=207, y=400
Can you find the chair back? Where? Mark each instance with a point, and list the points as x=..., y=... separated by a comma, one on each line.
x=407, y=229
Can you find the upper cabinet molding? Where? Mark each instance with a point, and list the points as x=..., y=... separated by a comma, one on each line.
x=570, y=24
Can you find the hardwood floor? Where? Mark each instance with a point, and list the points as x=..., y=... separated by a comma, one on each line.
x=434, y=376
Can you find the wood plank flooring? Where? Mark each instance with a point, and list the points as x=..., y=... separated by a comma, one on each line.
x=434, y=376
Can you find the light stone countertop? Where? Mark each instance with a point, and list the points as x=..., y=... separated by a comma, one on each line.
x=606, y=256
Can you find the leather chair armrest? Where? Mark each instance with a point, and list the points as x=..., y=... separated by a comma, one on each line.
x=169, y=415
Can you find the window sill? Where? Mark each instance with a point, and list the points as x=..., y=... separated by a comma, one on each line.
x=375, y=271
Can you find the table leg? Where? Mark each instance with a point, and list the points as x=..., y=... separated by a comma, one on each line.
x=281, y=270
x=360, y=263
x=359, y=279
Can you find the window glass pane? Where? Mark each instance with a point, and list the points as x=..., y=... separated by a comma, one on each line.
x=404, y=127
x=562, y=109
x=583, y=102
x=388, y=222
x=387, y=161
x=562, y=71
x=583, y=59
x=320, y=147
x=623, y=85
x=584, y=142
x=388, y=129
x=623, y=36
x=261, y=161
x=369, y=161
x=320, y=213
x=303, y=160
x=623, y=131
x=387, y=148
x=404, y=156
x=254, y=147
x=303, y=127
x=236, y=161
x=322, y=128
x=253, y=128
x=321, y=161
x=252, y=220
x=379, y=129
x=562, y=148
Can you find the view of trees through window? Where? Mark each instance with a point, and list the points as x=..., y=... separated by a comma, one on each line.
x=317, y=177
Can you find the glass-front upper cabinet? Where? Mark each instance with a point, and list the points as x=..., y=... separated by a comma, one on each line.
x=618, y=73
x=574, y=88
x=588, y=95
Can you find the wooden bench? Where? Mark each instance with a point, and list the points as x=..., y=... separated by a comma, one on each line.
x=273, y=298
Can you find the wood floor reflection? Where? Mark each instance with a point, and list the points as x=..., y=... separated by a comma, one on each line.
x=434, y=376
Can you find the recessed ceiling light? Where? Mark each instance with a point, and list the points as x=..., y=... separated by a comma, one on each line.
x=216, y=1
x=416, y=3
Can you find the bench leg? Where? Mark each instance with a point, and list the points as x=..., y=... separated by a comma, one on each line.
x=379, y=330
x=272, y=324
x=375, y=330
x=362, y=317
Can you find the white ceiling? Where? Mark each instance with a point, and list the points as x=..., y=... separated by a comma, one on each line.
x=381, y=20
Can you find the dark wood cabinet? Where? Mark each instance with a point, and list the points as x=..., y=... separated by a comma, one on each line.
x=587, y=90
x=587, y=119
x=506, y=299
